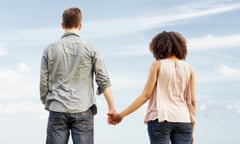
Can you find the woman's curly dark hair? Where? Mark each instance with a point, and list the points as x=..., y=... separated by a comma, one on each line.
x=166, y=44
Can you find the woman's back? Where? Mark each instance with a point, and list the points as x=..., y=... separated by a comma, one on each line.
x=169, y=98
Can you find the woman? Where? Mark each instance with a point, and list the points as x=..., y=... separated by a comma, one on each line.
x=170, y=89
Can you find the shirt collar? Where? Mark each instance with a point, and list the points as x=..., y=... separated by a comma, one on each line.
x=69, y=34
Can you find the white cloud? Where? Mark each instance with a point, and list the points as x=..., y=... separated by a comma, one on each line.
x=30, y=37
x=193, y=12
x=120, y=26
x=214, y=42
x=229, y=72
x=208, y=107
x=196, y=43
x=131, y=50
x=234, y=107
x=126, y=82
x=203, y=107
x=27, y=108
x=123, y=26
x=18, y=89
x=3, y=51
x=18, y=83
x=22, y=67
x=204, y=104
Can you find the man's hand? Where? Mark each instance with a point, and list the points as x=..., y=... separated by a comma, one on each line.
x=114, y=118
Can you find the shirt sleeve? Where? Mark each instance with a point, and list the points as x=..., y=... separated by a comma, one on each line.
x=44, y=77
x=101, y=75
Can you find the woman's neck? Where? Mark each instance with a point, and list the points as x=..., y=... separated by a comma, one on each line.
x=173, y=58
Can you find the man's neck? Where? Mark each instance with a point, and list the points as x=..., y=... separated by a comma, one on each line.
x=72, y=30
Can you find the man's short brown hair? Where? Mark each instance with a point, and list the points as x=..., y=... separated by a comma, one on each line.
x=72, y=17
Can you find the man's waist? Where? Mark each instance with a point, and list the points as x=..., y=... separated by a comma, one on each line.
x=68, y=107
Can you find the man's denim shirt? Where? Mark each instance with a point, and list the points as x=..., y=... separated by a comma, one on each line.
x=68, y=68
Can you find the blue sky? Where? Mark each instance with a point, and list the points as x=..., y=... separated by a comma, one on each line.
x=122, y=30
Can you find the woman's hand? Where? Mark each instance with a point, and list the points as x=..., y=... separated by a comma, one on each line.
x=114, y=118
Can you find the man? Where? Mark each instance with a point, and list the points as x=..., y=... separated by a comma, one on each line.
x=68, y=68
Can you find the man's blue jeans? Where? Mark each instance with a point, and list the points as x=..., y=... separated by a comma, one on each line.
x=164, y=132
x=61, y=124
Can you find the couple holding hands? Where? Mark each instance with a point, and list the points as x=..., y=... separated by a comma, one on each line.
x=69, y=66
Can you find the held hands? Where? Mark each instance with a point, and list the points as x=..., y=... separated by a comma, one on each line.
x=114, y=118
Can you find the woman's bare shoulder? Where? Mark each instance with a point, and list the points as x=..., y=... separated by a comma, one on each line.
x=155, y=65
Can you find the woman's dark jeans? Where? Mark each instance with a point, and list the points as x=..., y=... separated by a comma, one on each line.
x=164, y=132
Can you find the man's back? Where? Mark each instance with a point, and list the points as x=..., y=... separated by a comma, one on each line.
x=71, y=63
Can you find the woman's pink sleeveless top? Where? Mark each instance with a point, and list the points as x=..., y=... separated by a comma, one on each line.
x=171, y=95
